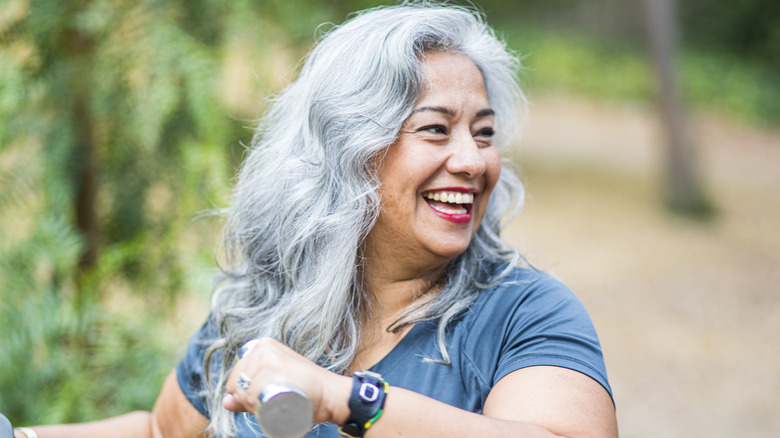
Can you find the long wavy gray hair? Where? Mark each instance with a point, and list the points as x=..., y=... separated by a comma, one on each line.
x=306, y=196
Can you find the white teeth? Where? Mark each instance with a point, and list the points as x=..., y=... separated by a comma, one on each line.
x=443, y=209
x=451, y=197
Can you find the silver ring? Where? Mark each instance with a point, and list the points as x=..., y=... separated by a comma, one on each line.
x=247, y=347
x=243, y=382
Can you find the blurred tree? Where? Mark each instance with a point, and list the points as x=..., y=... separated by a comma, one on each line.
x=105, y=87
x=101, y=104
x=120, y=120
x=114, y=132
x=684, y=189
x=749, y=29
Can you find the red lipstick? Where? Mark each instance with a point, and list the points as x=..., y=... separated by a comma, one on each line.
x=443, y=208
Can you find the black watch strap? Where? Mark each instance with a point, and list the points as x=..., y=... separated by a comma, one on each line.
x=366, y=402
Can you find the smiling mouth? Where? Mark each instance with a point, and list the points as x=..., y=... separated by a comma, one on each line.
x=449, y=202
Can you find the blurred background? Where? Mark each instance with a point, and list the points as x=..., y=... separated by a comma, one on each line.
x=651, y=154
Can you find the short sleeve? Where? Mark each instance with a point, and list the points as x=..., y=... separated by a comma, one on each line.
x=190, y=372
x=551, y=327
x=533, y=320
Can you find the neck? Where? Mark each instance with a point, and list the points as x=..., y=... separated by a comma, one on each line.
x=396, y=289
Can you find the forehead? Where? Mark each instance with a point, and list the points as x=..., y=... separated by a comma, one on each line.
x=451, y=75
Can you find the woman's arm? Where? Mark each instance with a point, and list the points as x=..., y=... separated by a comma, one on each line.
x=563, y=401
x=135, y=424
x=173, y=417
x=530, y=402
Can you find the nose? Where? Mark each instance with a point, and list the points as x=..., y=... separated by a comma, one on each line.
x=466, y=157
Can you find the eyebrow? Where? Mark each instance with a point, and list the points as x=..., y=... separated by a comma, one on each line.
x=449, y=112
x=438, y=109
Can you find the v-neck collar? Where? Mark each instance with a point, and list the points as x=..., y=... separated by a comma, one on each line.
x=402, y=347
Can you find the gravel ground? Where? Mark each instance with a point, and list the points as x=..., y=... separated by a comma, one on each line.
x=688, y=312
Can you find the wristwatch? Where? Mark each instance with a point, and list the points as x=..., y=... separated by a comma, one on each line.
x=366, y=403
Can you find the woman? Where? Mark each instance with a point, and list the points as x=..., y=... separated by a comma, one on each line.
x=365, y=235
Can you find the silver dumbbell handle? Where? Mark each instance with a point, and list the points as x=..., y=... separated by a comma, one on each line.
x=6, y=430
x=284, y=411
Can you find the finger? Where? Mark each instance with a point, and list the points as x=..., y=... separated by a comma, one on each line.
x=247, y=347
x=242, y=390
x=244, y=369
x=232, y=404
x=247, y=377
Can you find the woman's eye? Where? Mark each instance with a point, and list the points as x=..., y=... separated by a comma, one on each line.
x=434, y=129
x=487, y=132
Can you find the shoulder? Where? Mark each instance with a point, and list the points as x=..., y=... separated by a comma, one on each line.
x=528, y=291
x=529, y=318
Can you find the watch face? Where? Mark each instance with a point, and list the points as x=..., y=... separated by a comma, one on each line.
x=368, y=393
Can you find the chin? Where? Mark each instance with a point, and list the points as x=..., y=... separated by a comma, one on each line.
x=450, y=251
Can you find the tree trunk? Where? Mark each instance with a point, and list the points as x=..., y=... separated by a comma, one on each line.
x=683, y=188
x=86, y=191
x=78, y=49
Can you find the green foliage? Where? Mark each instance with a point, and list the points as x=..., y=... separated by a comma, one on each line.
x=726, y=83
x=145, y=102
x=746, y=30
x=590, y=66
x=133, y=87
x=65, y=364
x=584, y=66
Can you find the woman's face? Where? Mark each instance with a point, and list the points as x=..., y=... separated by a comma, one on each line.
x=436, y=179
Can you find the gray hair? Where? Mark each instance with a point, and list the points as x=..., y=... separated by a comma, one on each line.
x=307, y=194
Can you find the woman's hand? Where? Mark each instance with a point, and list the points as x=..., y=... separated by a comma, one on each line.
x=270, y=361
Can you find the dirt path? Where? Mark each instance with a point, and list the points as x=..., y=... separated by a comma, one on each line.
x=688, y=313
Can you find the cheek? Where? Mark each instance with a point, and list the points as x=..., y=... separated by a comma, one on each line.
x=492, y=173
x=492, y=168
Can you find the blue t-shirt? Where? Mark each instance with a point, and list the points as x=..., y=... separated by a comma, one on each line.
x=533, y=320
